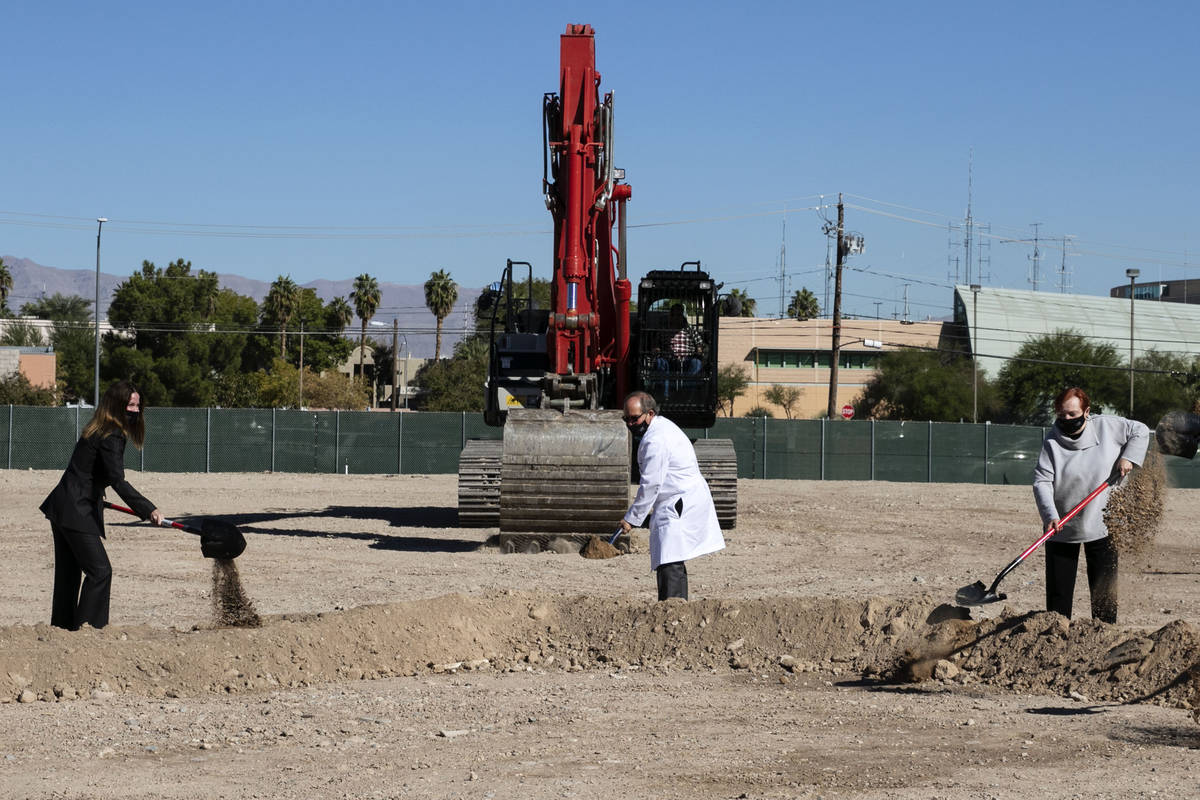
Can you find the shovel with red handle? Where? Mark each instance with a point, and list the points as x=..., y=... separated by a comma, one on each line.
x=977, y=594
x=218, y=539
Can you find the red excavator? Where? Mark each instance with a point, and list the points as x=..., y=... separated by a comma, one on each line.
x=557, y=376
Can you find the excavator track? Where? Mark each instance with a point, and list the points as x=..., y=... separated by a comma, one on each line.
x=718, y=465
x=479, y=483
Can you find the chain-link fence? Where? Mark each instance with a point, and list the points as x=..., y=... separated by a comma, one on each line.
x=358, y=442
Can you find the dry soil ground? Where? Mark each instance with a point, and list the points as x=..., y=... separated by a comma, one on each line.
x=400, y=656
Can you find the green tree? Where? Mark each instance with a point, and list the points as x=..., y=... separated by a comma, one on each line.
x=73, y=337
x=338, y=314
x=6, y=286
x=366, y=297
x=16, y=390
x=441, y=293
x=737, y=304
x=1161, y=383
x=1046, y=365
x=58, y=306
x=281, y=304
x=19, y=333
x=786, y=397
x=759, y=411
x=456, y=383
x=804, y=306
x=732, y=382
x=175, y=333
x=914, y=384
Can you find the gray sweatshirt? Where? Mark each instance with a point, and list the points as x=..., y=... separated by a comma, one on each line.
x=1069, y=469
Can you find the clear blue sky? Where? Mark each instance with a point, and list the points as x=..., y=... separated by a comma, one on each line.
x=323, y=140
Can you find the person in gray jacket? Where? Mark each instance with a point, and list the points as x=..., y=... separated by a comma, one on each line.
x=1078, y=455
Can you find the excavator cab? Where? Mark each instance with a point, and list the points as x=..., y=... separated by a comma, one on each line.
x=677, y=343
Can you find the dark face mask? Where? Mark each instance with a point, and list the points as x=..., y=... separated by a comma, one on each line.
x=638, y=428
x=131, y=417
x=1070, y=427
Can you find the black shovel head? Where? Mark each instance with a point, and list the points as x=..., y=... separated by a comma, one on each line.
x=220, y=539
x=977, y=595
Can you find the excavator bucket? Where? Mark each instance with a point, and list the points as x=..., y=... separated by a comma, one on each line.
x=564, y=473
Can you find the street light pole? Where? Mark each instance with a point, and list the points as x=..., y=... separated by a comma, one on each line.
x=975, y=287
x=1132, y=275
x=301, y=405
x=96, y=309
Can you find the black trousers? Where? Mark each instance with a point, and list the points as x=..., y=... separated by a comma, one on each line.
x=672, y=580
x=80, y=554
x=1062, y=564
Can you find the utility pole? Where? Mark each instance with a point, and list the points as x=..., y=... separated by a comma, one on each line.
x=835, y=350
x=783, y=267
x=395, y=358
x=301, y=362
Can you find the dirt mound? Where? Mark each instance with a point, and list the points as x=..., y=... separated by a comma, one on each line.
x=1135, y=508
x=597, y=547
x=1043, y=652
x=891, y=639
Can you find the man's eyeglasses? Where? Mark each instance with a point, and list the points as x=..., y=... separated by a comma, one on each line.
x=634, y=418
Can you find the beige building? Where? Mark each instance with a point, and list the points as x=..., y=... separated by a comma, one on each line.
x=38, y=364
x=796, y=354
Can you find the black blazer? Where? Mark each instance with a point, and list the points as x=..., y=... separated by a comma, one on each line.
x=76, y=502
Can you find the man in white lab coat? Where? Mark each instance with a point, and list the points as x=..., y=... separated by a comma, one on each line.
x=683, y=520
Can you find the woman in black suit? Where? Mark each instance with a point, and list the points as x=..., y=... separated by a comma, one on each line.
x=75, y=508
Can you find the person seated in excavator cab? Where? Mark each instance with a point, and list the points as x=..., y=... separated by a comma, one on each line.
x=682, y=348
x=679, y=350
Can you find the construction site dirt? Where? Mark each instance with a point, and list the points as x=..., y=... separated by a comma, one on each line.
x=375, y=649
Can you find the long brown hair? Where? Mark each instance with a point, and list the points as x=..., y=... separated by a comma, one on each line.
x=110, y=416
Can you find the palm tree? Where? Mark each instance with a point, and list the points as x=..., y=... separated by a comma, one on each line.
x=281, y=304
x=366, y=298
x=338, y=314
x=6, y=285
x=441, y=293
x=803, y=306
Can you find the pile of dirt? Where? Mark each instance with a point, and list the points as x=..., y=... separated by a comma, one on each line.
x=1044, y=652
x=597, y=547
x=887, y=639
x=1135, y=508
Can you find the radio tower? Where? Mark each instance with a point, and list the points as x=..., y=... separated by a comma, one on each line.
x=1036, y=258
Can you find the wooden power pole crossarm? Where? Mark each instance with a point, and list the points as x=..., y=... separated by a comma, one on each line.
x=835, y=350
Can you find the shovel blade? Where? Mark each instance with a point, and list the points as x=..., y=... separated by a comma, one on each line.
x=221, y=540
x=977, y=595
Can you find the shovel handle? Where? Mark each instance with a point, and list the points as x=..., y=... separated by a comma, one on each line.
x=613, y=539
x=1053, y=529
x=166, y=523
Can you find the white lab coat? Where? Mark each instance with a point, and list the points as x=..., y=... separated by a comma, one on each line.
x=669, y=470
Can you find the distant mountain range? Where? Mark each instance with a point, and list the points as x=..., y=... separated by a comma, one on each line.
x=401, y=302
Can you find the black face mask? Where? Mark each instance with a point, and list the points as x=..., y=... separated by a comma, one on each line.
x=1070, y=427
x=131, y=418
x=639, y=428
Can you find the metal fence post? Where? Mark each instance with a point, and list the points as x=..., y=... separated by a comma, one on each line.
x=764, y=447
x=987, y=445
x=930, y=449
x=272, y=440
x=872, y=449
x=463, y=444
x=10, y=431
x=400, y=444
x=208, y=440
x=337, y=438
x=821, y=455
